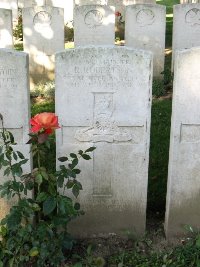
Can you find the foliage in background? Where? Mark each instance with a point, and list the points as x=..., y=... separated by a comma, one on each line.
x=45, y=90
x=18, y=30
x=69, y=33
x=35, y=233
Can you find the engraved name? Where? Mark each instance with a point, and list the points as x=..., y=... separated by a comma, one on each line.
x=8, y=78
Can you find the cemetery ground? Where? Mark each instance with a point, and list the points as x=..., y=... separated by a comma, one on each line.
x=151, y=250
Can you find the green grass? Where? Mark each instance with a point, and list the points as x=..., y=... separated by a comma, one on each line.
x=182, y=256
x=46, y=106
x=159, y=150
x=19, y=46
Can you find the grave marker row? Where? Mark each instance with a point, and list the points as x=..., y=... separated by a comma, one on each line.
x=118, y=124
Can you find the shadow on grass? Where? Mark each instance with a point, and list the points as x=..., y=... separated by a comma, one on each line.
x=159, y=150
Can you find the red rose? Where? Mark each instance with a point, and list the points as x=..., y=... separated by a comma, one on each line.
x=44, y=121
x=118, y=14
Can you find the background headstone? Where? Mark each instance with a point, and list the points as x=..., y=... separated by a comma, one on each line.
x=189, y=1
x=145, y=29
x=10, y=4
x=120, y=6
x=6, y=35
x=14, y=106
x=90, y=2
x=67, y=5
x=186, y=26
x=107, y=92
x=43, y=31
x=94, y=25
x=183, y=196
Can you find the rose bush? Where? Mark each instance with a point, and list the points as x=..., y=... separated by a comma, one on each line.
x=34, y=232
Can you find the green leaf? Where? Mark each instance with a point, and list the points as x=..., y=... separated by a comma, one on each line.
x=61, y=206
x=14, y=156
x=77, y=206
x=16, y=169
x=90, y=149
x=5, y=162
x=198, y=242
x=38, y=179
x=21, y=156
x=45, y=175
x=42, y=197
x=11, y=137
x=22, y=162
x=77, y=171
x=85, y=156
x=7, y=171
x=34, y=252
x=74, y=163
x=3, y=230
x=72, y=155
x=63, y=159
x=70, y=184
x=49, y=205
x=80, y=152
x=60, y=181
x=75, y=190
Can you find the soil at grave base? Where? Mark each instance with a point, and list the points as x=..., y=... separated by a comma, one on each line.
x=105, y=247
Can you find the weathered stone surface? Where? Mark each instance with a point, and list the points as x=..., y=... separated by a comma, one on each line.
x=145, y=29
x=14, y=105
x=43, y=36
x=186, y=26
x=103, y=99
x=189, y=1
x=66, y=5
x=94, y=25
x=6, y=39
x=90, y=2
x=10, y=4
x=183, y=196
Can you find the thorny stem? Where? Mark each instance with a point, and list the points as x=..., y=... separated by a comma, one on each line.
x=7, y=149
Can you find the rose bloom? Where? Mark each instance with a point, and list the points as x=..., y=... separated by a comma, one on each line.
x=44, y=121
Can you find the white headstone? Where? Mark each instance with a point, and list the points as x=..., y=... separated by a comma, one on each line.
x=183, y=196
x=186, y=26
x=94, y=25
x=90, y=2
x=103, y=99
x=43, y=31
x=189, y=1
x=67, y=5
x=6, y=37
x=145, y=29
x=10, y=4
x=14, y=106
